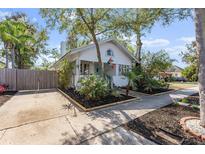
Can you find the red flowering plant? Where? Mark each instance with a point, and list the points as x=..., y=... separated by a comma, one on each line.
x=3, y=88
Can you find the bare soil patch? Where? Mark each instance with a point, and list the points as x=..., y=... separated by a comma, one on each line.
x=162, y=125
x=5, y=97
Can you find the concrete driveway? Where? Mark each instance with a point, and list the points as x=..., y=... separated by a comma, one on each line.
x=28, y=107
x=43, y=118
x=36, y=115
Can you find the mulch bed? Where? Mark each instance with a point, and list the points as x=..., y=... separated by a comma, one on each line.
x=6, y=96
x=155, y=91
x=192, y=100
x=166, y=119
x=94, y=103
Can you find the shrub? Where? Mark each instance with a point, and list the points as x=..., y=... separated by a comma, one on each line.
x=152, y=84
x=144, y=82
x=93, y=87
x=185, y=100
x=115, y=92
x=152, y=64
x=65, y=74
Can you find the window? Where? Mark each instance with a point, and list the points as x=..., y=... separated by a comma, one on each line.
x=84, y=68
x=110, y=52
x=124, y=69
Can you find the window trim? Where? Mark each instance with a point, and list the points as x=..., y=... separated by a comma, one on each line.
x=123, y=69
x=111, y=51
x=84, y=66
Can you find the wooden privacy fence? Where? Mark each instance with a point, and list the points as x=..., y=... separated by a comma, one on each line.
x=24, y=79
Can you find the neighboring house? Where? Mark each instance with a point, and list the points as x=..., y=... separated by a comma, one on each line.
x=116, y=59
x=174, y=71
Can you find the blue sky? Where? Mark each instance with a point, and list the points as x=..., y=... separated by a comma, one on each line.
x=172, y=38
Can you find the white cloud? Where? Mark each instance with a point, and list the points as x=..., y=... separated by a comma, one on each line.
x=176, y=49
x=188, y=39
x=175, y=53
x=3, y=14
x=156, y=42
x=34, y=20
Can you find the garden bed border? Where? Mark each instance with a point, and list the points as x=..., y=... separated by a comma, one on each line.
x=189, y=105
x=183, y=124
x=166, y=92
x=97, y=107
x=162, y=93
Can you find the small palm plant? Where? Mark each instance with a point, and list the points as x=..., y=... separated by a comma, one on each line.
x=131, y=77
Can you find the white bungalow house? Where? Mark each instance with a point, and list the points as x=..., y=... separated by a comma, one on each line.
x=117, y=61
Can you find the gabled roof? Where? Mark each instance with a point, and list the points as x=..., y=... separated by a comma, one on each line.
x=175, y=69
x=83, y=48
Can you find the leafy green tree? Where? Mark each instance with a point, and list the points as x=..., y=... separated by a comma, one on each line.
x=138, y=22
x=22, y=40
x=191, y=57
x=45, y=64
x=7, y=29
x=155, y=62
x=54, y=54
x=190, y=73
x=83, y=24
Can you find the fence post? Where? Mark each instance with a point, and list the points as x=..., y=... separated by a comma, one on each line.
x=16, y=88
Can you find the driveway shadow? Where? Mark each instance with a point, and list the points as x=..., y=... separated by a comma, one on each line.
x=118, y=115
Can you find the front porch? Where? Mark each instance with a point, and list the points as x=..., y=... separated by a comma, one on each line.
x=114, y=72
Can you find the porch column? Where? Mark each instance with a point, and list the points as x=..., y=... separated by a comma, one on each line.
x=77, y=71
x=117, y=69
x=77, y=67
x=103, y=67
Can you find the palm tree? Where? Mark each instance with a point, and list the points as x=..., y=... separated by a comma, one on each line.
x=16, y=36
x=200, y=39
x=131, y=77
x=6, y=30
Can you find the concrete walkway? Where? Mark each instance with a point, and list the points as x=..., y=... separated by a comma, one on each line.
x=45, y=118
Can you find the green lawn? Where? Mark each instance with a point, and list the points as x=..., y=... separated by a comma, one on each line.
x=179, y=85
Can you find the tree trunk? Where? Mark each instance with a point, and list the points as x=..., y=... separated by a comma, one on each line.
x=7, y=58
x=128, y=88
x=200, y=39
x=98, y=54
x=139, y=47
x=18, y=60
x=13, y=57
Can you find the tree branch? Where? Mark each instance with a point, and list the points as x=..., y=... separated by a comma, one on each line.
x=84, y=20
